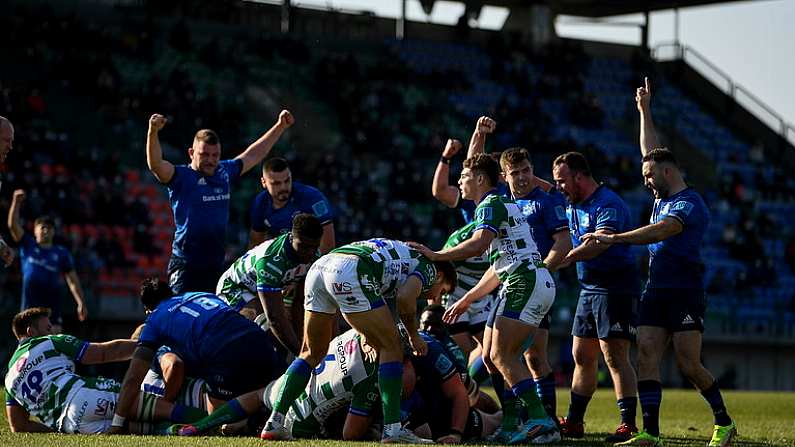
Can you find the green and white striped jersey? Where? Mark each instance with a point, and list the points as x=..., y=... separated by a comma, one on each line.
x=388, y=264
x=513, y=245
x=345, y=379
x=268, y=267
x=41, y=376
x=470, y=270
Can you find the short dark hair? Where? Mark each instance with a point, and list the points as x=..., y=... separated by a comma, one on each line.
x=306, y=224
x=23, y=320
x=435, y=313
x=45, y=220
x=275, y=164
x=153, y=291
x=485, y=164
x=661, y=155
x=207, y=136
x=575, y=161
x=514, y=155
x=434, y=308
x=448, y=270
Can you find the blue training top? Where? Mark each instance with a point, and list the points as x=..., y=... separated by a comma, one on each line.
x=42, y=272
x=201, y=212
x=676, y=261
x=614, y=269
x=303, y=199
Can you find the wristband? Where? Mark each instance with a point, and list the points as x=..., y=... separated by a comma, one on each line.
x=118, y=421
x=445, y=160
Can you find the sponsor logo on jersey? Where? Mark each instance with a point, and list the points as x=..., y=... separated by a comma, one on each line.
x=342, y=359
x=617, y=327
x=560, y=213
x=201, y=181
x=103, y=407
x=320, y=208
x=685, y=207
x=342, y=288
x=688, y=319
x=485, y=213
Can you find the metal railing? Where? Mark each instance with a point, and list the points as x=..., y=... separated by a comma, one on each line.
x=676, y=51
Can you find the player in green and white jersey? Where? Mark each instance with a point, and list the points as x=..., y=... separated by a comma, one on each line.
x=347, y=379
x=268, y=269
x=527, y=292
x=41, y=382
x=355, y=279
x=467, y=331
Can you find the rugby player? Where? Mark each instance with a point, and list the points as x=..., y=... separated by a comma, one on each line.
x=673, y=303
x=345, y=380
x=355, y=279
x=605, y=318
x=268, y=269
x=41, y=382
x=200, y=195
x=274, y=208
x=43, y=265
x=526, y=296
x=215, y=342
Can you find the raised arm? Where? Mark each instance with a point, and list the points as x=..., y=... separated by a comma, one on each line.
x=162, y=170
x=441, y=188
x=477, y=143
x=648, y=134
x=73, y=281
x=260, y=149
x=14, y=221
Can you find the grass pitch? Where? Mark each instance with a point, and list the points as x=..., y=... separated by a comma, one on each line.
x=763, y=419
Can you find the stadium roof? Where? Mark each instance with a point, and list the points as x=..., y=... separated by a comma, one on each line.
x=604, y=8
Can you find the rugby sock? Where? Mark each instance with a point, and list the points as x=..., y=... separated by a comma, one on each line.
x=526, y=392
x=478, y=371
x=390, y=382
x=293, y=384
x=628, y=407
x=183, y=414
x=650, y=393
x=226, y=413
x=146, y=407
x=577, y=407
x=713, y=397
x=545, y=387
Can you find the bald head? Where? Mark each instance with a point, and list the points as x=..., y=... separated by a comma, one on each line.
x=6, y=137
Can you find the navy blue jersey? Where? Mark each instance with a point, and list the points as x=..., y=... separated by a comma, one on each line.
x=676, y=262
x=546, y=215
x=452, y=350
x=201, y=212
x=303, y=199
x=467, y=207
x=614, y=269
x=436, y=367
x=42, y=272
x=196, y=326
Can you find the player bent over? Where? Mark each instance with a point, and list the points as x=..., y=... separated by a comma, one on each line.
x=355, y=279
x=41, y=382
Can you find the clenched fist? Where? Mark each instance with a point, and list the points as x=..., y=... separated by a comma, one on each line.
x=451, y=148
x=157, y=122
x=485, y=125
x=19, y=195
x=286, y=119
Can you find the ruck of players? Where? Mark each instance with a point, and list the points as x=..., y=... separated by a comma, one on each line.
x=378, y=339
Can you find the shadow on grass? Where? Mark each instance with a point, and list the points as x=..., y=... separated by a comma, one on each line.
x=597, y=439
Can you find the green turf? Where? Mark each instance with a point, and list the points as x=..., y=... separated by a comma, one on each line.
x=763, y=419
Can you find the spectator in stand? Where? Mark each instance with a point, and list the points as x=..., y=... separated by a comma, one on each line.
x=273, y=209
x=6, y=144
x=42, y=264
x=199, y=195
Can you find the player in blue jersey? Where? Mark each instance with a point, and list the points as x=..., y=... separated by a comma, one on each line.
x=43, y=265
x=273, y=209
x=217, y=344
x=605, y=317
x=439, y=408
x=7, y=253
x=200, y=193
x=673, y=304
x=448, y=194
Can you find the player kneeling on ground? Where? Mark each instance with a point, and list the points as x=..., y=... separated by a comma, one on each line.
x=41, y=382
